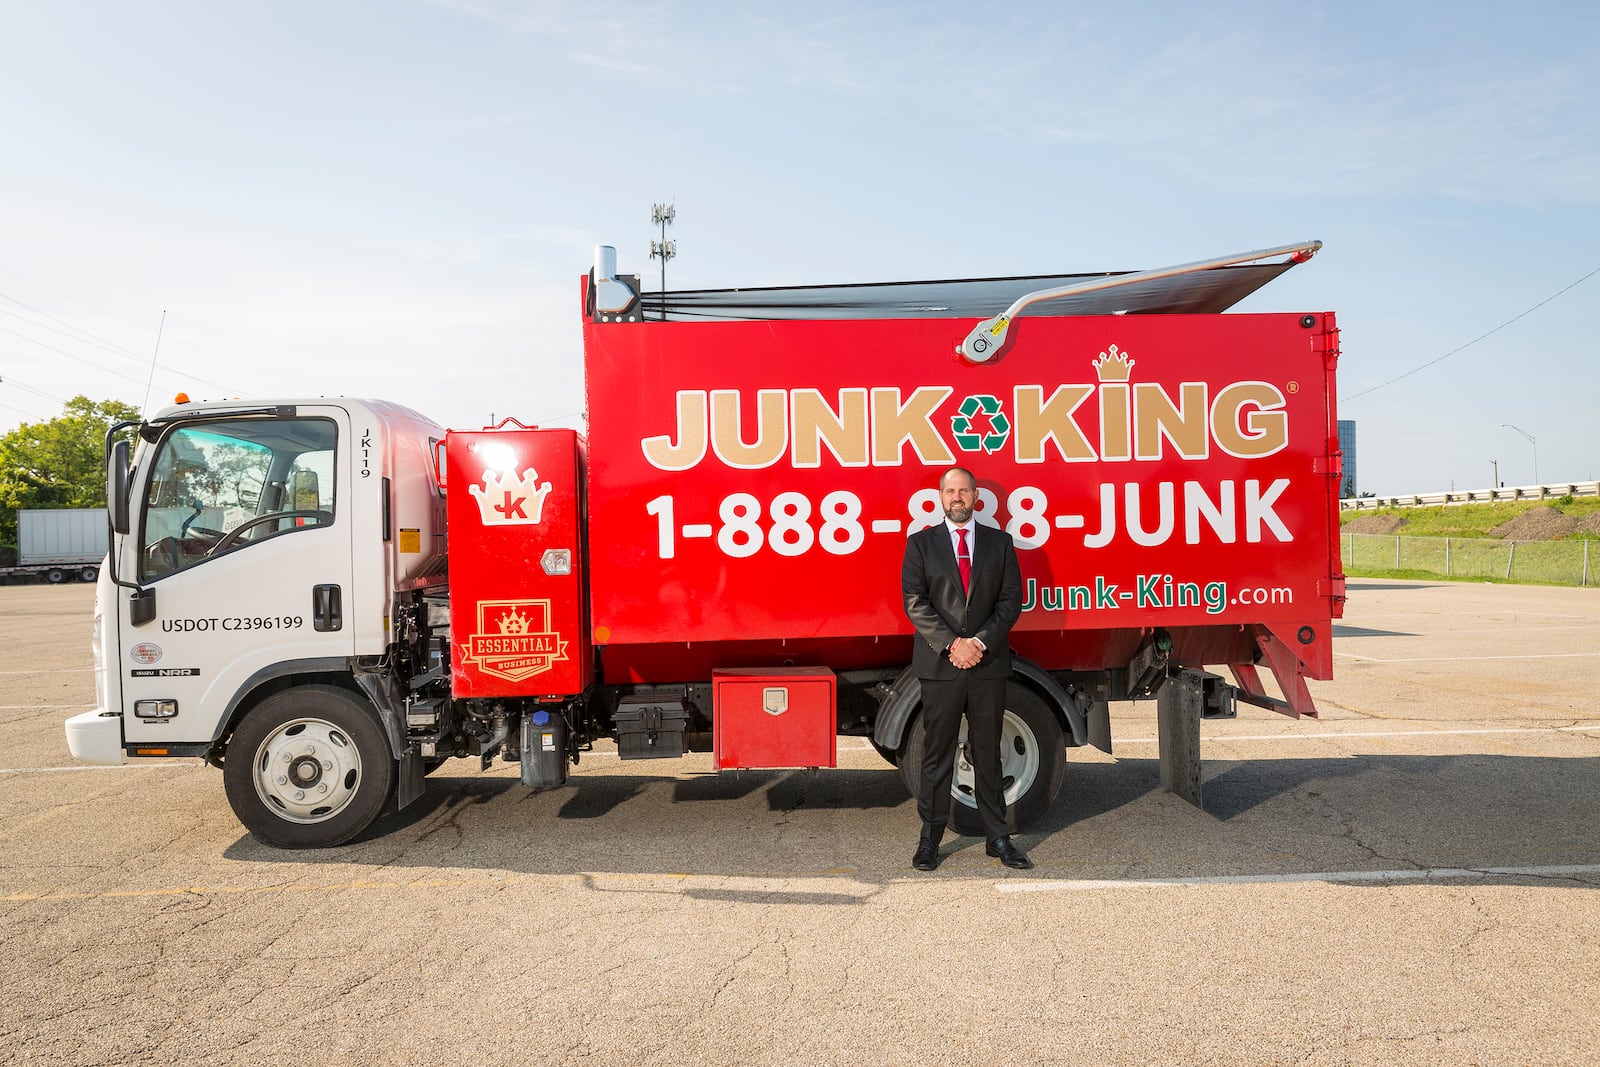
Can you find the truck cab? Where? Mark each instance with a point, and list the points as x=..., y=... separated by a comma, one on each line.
x=255, y=550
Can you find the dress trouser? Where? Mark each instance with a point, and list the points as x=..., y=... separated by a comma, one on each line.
x=944, y=701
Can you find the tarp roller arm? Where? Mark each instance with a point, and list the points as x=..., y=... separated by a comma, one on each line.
x=988, y=337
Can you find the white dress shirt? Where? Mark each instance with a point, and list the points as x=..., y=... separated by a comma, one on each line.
x=971, y=527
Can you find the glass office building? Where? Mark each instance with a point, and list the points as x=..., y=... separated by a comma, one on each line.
x=1347, y=445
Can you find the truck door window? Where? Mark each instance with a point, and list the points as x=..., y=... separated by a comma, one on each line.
x=222, y=486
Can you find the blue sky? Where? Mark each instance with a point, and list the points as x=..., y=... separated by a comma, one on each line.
x=396, y=197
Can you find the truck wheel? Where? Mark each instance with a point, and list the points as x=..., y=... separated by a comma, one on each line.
x=89, y=574
x=308, y=768
x=1032, y=762
x=55, y=575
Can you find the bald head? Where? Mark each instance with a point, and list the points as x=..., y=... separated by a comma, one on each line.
x=958, y=495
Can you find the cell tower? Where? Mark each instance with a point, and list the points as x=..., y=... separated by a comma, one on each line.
x=662, y=215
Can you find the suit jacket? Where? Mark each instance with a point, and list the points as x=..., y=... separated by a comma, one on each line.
x=936, y=605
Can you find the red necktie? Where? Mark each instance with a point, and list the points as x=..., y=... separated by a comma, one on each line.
x=963, y=560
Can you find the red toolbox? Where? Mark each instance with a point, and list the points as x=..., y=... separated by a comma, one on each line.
x=766, y=718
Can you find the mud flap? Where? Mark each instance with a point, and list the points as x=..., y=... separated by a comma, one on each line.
x=408, y=777
x=1188, y=696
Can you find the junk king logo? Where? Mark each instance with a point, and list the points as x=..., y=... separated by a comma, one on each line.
x=1112, y=418
x=507, y=498
x=513, y=640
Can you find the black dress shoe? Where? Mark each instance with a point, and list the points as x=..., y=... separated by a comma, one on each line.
x=1003, y=850
x=927, y=856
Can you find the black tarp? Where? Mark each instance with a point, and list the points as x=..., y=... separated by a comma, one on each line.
x=1198, y=292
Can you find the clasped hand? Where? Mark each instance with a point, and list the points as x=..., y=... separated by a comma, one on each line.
x=966, y=653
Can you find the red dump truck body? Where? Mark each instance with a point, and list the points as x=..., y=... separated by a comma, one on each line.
x=746, y=489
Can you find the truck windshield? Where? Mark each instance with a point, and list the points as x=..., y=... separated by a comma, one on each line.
x=227, y=485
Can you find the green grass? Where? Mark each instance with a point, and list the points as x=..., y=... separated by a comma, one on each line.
x=1476, y=520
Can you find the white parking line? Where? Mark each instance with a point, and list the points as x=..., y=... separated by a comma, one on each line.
x=1585, y=625
x=1576, y=871
x=1466, y=659
x=141, y=765
x=1326, y=734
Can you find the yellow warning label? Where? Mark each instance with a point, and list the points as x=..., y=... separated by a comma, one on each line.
x=410, y=540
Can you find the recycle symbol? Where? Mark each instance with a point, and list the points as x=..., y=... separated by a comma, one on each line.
x=980, y=413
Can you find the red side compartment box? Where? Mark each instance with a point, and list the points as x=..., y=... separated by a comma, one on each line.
x=764, y=718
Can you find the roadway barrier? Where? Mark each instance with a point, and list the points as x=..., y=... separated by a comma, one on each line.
x=1472, y=496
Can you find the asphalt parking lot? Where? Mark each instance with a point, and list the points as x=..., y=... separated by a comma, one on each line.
x=1411, y=878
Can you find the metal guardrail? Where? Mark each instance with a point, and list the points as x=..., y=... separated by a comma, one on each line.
x=1472, y=496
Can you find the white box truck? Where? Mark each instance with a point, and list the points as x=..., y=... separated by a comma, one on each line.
x=58, y=545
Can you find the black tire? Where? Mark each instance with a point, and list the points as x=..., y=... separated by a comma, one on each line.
x=1033, y=758
x=88, y=574
x=309, y=768
x=55, y=576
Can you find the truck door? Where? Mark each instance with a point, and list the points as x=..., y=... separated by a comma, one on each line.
x=242, y=535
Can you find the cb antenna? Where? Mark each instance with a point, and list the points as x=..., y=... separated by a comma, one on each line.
x=145, y=407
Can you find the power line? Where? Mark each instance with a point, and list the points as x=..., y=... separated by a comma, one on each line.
x=19, y=411
x=25, y=387
x=1475, y=340
x=96, y=340
x=69, y=355
x=85, y=338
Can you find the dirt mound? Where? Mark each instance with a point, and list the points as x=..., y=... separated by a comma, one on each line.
x=1536, y=524
x=1589, y=524
x=1374, y=524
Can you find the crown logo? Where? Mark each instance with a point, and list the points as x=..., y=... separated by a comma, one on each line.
x=511, y=501
x=1113, y=366
x=514, y=622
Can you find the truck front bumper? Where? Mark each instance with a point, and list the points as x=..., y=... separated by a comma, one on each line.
x=95, y=737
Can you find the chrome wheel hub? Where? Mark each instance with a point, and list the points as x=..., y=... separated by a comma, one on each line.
x=307, y=770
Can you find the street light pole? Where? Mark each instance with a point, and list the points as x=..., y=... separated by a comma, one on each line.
x=1496, y=483
x=1529, y=437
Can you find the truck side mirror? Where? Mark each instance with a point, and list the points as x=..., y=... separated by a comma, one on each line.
x=305, y=490
x=141, y=606
x=117, y=487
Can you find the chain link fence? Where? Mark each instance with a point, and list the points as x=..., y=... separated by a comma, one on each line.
x=1542, y=562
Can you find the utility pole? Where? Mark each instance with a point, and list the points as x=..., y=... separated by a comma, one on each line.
x=1496, y=483
x=662, y=215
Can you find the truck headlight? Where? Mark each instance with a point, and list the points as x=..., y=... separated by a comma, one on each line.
x=155, y=709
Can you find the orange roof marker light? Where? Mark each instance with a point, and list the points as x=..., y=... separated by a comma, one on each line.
x=181, y=398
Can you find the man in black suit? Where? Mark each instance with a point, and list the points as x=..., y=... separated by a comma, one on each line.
x=963, y=593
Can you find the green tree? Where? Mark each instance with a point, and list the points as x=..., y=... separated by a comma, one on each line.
x=59, y=463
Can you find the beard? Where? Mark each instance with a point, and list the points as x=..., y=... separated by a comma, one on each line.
x=958, y=513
